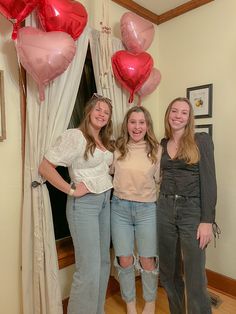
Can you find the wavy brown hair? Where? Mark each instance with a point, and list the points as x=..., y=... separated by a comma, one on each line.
x=188, y=150
x=150, y=138
x=105, y=132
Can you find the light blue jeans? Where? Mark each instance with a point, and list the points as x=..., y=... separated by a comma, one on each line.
x=130, y=222
x=89, y=223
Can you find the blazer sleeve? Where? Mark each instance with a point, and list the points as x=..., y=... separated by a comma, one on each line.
x=208, y=186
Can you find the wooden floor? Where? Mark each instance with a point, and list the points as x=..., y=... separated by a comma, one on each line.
x=115, y=305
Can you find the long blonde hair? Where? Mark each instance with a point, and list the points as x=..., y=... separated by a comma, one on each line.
x=105, y=132
x=188, y=150
x=150, y=138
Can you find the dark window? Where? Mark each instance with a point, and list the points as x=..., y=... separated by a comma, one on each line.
x=58, y=204
x=58, y=199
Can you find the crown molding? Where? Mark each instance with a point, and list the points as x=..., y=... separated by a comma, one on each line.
x=166, y=16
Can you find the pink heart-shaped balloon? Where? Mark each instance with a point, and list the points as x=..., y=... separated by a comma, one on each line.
x=136, y=32
x=44, y=55
x=131, y=70
x=63, y=15
x=151, y=83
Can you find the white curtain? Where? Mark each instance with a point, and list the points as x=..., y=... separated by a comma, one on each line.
x=44, y=123
x=106, y=84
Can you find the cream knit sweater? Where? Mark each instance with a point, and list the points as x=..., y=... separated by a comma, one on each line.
x=135, y=177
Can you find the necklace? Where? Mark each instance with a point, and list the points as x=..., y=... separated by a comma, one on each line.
x=176, y=144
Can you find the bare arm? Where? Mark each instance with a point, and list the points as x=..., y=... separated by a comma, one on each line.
x=48, y=171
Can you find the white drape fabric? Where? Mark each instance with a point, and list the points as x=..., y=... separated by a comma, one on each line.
x=106, y=84
x=44, y=123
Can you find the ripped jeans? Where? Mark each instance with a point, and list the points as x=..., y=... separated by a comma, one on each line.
x=135, y=223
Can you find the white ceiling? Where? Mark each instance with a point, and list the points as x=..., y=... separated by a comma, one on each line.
x=160, y=6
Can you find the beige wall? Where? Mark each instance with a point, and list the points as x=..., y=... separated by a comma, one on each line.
x=10, y=178
x=200, y=48
x=196, y=48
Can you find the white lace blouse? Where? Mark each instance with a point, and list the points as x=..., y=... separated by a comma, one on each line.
x=68, y=151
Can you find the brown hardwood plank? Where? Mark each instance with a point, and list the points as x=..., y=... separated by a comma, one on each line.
x=115, y=305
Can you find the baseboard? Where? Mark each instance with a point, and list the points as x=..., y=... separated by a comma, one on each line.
x=221, y=283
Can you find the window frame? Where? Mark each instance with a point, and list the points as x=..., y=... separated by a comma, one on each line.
x=65, y=252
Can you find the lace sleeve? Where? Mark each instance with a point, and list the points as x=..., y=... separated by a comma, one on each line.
x=70, y=145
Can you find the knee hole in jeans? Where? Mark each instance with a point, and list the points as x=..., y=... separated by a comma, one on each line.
x=147, y=264
x=125, y=261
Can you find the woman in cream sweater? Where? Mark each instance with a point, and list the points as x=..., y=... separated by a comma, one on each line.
x=133, y=209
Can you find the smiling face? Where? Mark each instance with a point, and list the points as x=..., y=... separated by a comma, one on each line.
x=100, y=115
x=137, y=126
x=179, y=115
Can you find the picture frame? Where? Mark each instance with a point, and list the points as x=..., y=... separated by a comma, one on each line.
x=208, y=128
x=201, y=100
x=2, y=109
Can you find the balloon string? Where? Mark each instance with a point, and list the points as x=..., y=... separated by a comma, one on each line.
x=131, y=97
x=139, y=101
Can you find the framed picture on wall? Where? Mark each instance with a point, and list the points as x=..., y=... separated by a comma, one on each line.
x=201, y=100
x=204, y=128
x=2, y=109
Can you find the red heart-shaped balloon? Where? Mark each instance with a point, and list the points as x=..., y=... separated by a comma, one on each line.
x=63, y=15
x=131, y=70
x=17, y=11
x=44, y=55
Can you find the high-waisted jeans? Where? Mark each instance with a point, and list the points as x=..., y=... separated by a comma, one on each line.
x=178, y=220
x=132, y=221
x=89, y=223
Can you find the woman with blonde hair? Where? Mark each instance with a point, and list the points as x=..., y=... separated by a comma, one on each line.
x=186, y=210
x=136, y=168
x=87, y=151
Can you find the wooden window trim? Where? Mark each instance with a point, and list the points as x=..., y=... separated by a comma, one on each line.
x=166, y=16
x=65, y=252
